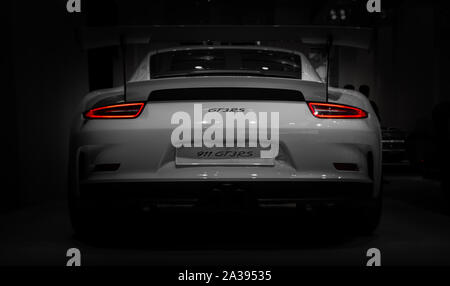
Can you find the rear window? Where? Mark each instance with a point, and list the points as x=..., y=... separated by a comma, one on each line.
x=225, y=62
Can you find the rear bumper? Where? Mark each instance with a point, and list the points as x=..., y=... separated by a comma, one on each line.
x=217, y=196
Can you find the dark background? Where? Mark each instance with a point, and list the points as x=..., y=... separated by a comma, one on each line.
x=46, y=73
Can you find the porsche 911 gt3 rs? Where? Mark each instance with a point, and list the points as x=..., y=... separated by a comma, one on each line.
x=123, y=152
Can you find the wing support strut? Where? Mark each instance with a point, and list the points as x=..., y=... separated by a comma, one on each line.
x=123, y=51
x=327, y=78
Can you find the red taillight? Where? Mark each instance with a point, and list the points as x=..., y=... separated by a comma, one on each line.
x=336, y=111
x=118, y=111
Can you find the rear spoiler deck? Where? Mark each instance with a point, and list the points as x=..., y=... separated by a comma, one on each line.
x=114, y=36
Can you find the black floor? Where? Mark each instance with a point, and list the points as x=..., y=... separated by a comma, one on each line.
x=415, y=230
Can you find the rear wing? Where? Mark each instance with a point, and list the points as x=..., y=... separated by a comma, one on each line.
x=98, y=37
x=328, y=36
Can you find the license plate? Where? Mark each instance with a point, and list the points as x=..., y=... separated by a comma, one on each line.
x=221, y=156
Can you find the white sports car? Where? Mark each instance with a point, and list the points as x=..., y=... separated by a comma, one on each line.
x=225, y=127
